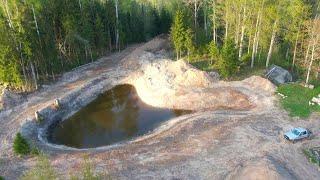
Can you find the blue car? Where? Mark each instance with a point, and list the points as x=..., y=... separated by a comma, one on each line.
x=297, y=134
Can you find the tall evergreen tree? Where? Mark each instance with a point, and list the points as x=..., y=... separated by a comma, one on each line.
x=228, y=62
x=177, y=33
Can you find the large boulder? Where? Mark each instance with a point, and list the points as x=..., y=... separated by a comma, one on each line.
x=278, y=75
x=315, y=100
x=214, y=75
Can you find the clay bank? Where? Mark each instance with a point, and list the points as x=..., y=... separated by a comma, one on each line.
x=228, y=130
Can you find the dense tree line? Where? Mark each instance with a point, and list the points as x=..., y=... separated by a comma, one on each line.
x=285, y=32
x=40, y=39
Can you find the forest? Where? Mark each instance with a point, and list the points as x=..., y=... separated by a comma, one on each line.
x=41, y=39
x=247, y=35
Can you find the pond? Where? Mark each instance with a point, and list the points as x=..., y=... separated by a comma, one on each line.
x=117, y=115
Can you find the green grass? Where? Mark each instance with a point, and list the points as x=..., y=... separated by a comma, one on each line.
x=312, y=158
x=243, y=73
x=203, y=65
x=246, y=72
x=297, y=100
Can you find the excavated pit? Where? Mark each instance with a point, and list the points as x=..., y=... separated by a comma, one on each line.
x=115, y=116
x=234, y=134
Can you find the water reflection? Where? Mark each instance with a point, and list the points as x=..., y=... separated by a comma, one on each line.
x=115, y=116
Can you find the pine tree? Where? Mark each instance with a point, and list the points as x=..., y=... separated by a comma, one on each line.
x=177, y=33
x=20, y=145
x=189, y=45
x=228, y=62
x=213, y=51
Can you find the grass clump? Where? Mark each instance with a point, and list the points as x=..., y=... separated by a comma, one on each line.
x=20, y=145
x=312, y=158
x=1, y=178
x=42, y=171
x=35, y=151
x=87, y=172
x=297, y=98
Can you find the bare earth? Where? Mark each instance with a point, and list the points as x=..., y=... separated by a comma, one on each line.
x=235, y=131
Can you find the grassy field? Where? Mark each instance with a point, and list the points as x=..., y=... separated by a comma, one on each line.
x=297, y=99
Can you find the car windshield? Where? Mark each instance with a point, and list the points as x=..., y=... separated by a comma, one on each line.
x=295, y=132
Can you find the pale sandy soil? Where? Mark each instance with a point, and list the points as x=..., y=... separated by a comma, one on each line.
x=234, y=133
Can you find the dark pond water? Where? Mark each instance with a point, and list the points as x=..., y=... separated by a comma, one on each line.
x=115, y=116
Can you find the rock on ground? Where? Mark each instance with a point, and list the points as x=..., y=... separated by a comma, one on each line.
x=278, y=75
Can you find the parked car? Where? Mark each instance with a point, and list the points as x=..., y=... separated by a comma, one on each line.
x=296, y=134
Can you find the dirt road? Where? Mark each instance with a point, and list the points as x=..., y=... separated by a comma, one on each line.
x=208, y=144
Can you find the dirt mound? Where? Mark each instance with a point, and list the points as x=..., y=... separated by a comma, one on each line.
x=8, y=99
x=171, y=73
x=189, y=76
x=162, y=82
x=152, y=50
x=263, y=170
x=176, y=84
x=257, y=82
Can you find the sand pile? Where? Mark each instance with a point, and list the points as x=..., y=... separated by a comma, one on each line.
x=176, y=84
x=259, y=83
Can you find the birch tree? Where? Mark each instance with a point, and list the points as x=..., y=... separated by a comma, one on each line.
x=315, y=47
x=258, y=22
x=214, y=5
x=195, y=5
x=274, y=15
x=117, y=25
x=298, y=13
x=243, y=27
